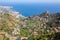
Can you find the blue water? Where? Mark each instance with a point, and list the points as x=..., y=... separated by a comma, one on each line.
x=33, y=9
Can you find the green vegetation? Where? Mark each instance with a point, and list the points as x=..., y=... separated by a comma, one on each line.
x=24, y=32
x=42, y=27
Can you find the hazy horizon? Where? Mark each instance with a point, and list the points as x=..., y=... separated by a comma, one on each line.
x=32, y=7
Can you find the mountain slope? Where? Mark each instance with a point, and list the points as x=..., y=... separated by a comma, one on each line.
x=44, y=24
x=9, y=22
x=38, y=27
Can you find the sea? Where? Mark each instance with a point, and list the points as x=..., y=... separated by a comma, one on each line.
x=34, y=9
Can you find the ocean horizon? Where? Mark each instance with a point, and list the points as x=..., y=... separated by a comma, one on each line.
x=34, y=9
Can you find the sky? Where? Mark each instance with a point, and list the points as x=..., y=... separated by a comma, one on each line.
x=29, y=1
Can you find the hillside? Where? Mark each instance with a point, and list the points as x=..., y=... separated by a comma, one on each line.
x=9, y=22
x=14, y=26
x=44, y=24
